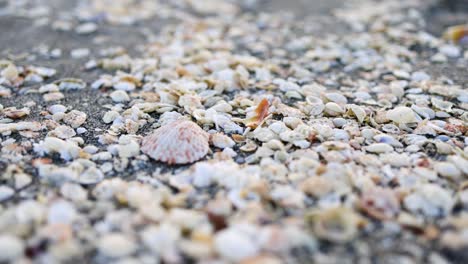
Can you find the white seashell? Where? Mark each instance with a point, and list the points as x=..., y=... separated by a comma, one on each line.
x=402, y=115
x=119, y=96
x=63, y=132
x=379, y=148
x=333, y=109
x=75, y=118
x=222, y=141
x=179, y=142
x=447, y=170
x=358, y=111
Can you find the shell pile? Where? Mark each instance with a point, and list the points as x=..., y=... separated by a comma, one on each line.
x=231, y=131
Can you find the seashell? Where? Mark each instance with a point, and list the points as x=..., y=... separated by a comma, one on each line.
x=260, y=113
x=358, y=112
x=70, y=84
x=402, y=115
x=456, y=33
x=333, y=109
x=75, y=118
x=179, y=142
x=379, y=148
x=380, y=203
x=338, y=224
x=222, y=141
x=13, y=113
x=441, y=104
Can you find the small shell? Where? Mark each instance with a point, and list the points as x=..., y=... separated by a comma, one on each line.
x=456, y=33
x=14, y=113
x=402, y=115
x=260, y=113
x=380, y=203
x=358, y=112
x=338, y=224
x=179, y=142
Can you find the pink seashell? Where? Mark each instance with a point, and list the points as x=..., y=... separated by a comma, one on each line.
x=179, y=142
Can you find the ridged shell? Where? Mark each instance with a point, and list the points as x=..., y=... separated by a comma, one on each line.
x=179, y=142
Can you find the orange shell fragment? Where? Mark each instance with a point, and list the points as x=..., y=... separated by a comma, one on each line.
x=456, y=33
x=261, y=112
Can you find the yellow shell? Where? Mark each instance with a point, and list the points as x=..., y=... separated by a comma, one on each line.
x=456, y=33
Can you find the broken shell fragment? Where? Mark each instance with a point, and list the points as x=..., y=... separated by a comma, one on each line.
x=380, y=203
x=456, y=33
x=402, y=115
x=260, y=113
x=179, y=142
x=338, y=224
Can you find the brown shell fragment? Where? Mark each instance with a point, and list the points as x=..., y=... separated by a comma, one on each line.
x=179, y=142
x=261, y=112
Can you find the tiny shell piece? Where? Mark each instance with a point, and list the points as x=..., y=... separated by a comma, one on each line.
x=456, y=33
x=179, y=142
x=402, y=115
x=260, y=113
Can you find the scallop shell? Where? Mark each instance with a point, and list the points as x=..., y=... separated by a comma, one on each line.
x=179, y=142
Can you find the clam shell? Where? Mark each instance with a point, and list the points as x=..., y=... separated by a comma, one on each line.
x=179, y=142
